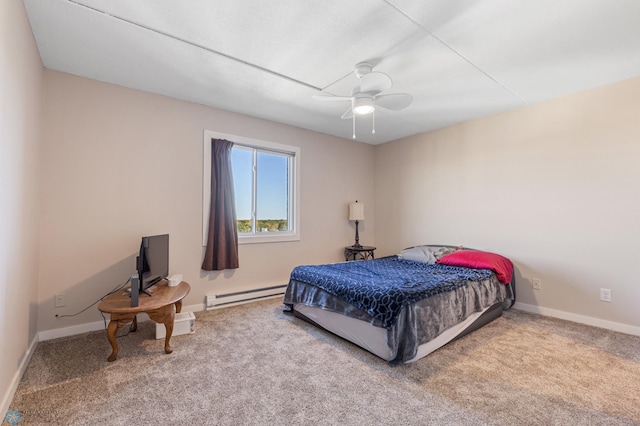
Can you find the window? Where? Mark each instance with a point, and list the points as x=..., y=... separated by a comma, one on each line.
x=265, y=176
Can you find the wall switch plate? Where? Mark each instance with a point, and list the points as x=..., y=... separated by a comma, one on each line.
x=605, y=294
x=59, y=301
x=536, y=283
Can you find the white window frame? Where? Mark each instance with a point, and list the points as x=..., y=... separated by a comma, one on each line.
x=294, y=187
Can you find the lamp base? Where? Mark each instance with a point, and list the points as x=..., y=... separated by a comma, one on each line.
x=357, y=244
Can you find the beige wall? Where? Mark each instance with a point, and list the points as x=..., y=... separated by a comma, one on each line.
x=553, y=186
x=20, y=88
x=122, y=163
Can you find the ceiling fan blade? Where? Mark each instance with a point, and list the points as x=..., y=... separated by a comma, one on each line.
x=347, y=114
x=394, y=101
x=375, y=81
x=331, y=98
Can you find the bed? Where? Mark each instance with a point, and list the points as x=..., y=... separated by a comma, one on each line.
x=403, y=307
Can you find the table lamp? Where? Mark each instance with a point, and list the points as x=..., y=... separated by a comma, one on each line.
x=356, y=213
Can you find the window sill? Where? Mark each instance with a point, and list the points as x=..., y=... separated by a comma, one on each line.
x=259, y=239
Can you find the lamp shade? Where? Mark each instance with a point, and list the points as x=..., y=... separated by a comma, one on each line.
x=356, y=211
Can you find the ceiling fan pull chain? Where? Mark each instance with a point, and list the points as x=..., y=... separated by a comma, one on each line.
x=354, y=117
x=373, y=125
x=354, y=126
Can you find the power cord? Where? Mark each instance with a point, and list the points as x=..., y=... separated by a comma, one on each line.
x=104, y=319
x=118, y=288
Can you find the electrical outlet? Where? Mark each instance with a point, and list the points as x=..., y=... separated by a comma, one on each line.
x=536, y=283
x=59, y=300
x=605, y=294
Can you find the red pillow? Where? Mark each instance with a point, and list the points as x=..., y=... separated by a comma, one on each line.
x=481, y=260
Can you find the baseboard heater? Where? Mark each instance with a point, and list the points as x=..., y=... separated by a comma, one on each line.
x=215, y=301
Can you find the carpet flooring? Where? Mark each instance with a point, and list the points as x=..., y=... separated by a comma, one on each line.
x=255, y=365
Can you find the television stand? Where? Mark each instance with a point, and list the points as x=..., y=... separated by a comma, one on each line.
x=160, y=309
x=145, y=291
x=153, y=284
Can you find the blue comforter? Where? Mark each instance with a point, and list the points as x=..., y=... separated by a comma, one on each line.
x=381, y=287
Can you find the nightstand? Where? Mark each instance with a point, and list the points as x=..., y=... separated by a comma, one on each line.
x=359, y=253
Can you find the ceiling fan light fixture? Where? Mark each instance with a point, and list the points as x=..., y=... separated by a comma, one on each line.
x=363, y=106
x=368, y=97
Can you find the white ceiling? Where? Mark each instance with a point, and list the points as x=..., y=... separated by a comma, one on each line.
x=459, y=59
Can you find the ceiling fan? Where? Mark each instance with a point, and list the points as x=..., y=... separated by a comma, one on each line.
x=367, y=98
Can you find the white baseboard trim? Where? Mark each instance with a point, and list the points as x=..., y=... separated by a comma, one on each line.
x=99, y=325
x=11, y=391
x=582, y=319
x=71, y=331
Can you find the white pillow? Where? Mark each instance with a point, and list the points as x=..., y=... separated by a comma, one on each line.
x=418, y=254
x=440, y=252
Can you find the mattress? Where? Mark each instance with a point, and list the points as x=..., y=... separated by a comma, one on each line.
x=374, y=339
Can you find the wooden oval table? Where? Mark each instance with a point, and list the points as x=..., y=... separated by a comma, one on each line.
x=159, y=307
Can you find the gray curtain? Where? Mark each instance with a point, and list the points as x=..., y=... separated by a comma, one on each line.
x=222, y=240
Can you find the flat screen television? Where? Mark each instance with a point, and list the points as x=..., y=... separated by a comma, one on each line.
x=152, y=265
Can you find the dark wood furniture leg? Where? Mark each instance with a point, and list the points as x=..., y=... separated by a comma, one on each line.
x=168, y=325
x=166, y=316
x=111, y=335
x=117, y=321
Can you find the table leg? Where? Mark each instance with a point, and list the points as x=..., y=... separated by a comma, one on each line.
x=178, y=306
x=111, y=335
x=166, y=316
x=168, y=325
